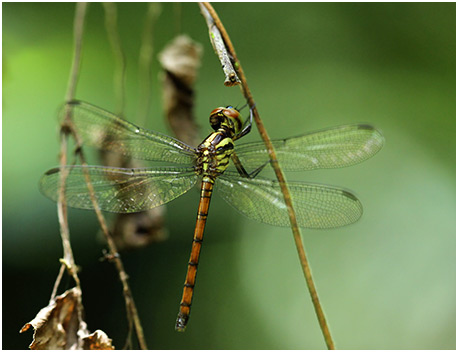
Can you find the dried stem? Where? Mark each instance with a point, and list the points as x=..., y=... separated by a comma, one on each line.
x=68, y=260
x=280, y=176
x=220, y=49
x=56, y=284
x=80, y=15
x=66, y=129
x=116, y=259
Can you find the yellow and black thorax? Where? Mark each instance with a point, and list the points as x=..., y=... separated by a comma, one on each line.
x=214, y=153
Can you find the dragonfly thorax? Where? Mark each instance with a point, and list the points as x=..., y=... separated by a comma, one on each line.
x=214, y=154
x=227, y=119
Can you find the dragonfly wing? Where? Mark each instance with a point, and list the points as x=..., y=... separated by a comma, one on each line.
x=118, y=190
x=331, y=148
x=104, y=130
x=316, y=206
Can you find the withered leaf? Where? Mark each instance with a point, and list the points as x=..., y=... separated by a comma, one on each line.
x=181, y=60
x=98, y=340
x=59, y=326
x=136, y=230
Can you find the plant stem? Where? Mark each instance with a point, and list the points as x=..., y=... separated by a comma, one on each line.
x=67, y=128
x=281, y=179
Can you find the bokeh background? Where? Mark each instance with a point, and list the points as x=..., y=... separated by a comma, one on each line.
x=386, y=282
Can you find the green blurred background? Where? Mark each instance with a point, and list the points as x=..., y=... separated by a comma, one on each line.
x=386, y=282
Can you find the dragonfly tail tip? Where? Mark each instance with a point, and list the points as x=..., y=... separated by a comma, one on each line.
x=181, y=322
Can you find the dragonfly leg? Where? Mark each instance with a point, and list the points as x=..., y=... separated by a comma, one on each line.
x=239, y=166
x=190, y=281
x=242, y=171
x=248, y=123
x=257, y=171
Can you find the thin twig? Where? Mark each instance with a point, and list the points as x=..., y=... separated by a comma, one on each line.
x=220, y=49
x=281, y=179
x=66, y=129
x=68, y=260
x=80, y=14
x=56, y=284
x=113, y=252
x=128, y=297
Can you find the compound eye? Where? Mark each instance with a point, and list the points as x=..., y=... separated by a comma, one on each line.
x=234, y=119
x=216, y=116
x=216, y=111
x=232, y=113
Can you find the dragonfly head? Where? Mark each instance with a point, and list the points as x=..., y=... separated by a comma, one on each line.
x=227, y=118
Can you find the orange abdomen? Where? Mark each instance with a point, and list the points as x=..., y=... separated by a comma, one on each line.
x=188, y=290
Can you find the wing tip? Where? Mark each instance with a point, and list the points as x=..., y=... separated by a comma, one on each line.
x=52, y=171
x=372, y=128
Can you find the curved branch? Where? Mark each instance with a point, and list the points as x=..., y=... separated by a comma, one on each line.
x=280, y=176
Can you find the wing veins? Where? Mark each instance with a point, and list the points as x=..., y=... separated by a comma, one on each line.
x=104, y=130
x=331, y=148
x=119, y=190
x=317, y=206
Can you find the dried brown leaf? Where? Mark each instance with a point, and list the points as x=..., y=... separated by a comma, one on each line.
x=98, y=340
x=181, y=60
x=59, y=326
x=136, y=230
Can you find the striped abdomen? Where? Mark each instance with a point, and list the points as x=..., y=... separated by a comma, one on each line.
x=214, y=154
x=188, y=290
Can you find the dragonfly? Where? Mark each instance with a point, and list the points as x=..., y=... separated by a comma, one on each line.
x=234, y=169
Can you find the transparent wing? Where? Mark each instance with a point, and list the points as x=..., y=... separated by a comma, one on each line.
x=331, y=148
x=101, y=129
x=118, y=190
x=317, y=206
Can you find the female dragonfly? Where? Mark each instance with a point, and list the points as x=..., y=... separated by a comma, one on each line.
x=122, y=190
